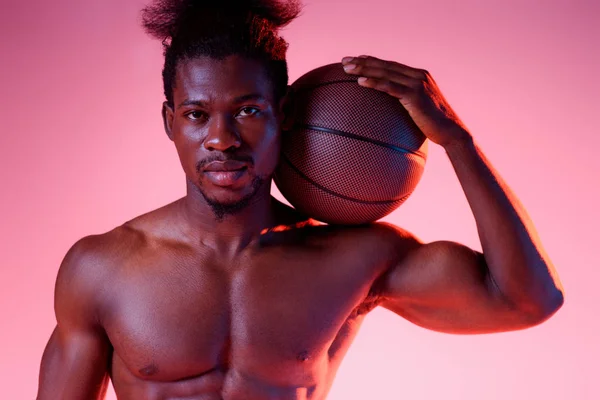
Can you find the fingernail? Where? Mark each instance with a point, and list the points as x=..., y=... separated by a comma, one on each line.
x=362, y=79
x=347, y=59
x=349, y=67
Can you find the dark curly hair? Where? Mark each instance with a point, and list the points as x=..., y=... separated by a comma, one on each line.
x=220, y=28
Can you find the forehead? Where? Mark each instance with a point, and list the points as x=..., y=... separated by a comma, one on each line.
x=212, y=79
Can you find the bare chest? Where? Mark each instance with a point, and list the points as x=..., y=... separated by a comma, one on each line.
x=279, y=318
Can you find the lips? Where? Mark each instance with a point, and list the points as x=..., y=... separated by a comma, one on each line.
x=226, y=173
x=225, y=166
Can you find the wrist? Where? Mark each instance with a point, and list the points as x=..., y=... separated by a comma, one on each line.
x=462, y=141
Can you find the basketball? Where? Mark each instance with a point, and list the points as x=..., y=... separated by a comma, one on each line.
x=353, y=154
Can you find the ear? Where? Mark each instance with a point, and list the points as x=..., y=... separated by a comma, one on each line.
x=167, y=115
x=286, y=110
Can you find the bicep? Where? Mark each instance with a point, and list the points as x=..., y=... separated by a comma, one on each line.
x=446, y=287
x=74, y=366
x=75, y=361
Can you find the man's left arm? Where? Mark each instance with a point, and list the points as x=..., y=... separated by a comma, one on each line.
x=515, y=262
x=514, y=255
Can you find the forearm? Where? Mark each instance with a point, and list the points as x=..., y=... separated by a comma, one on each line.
x=514, y=255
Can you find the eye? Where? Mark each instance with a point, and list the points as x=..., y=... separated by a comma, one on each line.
x=248, y=111
x=195, y=115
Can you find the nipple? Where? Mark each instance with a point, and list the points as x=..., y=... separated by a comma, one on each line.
x=149, y=370
x=303, y=356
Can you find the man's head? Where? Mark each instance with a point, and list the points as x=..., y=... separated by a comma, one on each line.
x=225, y=77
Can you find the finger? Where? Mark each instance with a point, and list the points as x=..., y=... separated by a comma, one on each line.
x=370, y=61
x=381, y=73
x=392, y=88
x=392, y=65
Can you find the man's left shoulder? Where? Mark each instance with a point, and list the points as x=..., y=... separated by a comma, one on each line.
x=386, y=234
x=381, y=239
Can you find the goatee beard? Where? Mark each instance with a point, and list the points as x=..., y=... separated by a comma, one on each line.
x=221, y=210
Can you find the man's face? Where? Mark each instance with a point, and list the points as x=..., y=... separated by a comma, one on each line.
x=225, y=125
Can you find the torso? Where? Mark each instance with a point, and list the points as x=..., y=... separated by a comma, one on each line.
x=274, y=323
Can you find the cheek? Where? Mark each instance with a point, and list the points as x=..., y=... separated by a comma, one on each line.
x=187, y=144
x=267, y=154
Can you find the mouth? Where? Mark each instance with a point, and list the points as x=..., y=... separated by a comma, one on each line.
x=225, y=177
x=226, y=166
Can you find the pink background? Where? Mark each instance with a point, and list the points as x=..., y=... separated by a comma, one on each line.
x=82, y=150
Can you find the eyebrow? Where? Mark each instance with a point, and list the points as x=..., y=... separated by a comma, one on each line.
x=237, y=100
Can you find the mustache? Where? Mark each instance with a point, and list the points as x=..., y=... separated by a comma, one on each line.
x=224, y=157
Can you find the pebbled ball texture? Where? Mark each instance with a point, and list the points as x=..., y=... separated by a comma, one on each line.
x=353, y=154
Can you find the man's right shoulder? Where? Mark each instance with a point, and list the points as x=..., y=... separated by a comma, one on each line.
x=102, y=250
x=85, y=277
x=94, y=258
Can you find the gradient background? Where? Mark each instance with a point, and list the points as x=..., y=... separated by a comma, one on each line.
x=83, y=150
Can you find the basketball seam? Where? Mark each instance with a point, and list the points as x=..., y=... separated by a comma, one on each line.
x=306, y=87
x=361, y=138
x=333, y=193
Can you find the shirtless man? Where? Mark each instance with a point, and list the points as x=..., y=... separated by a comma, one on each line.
x=227, y=293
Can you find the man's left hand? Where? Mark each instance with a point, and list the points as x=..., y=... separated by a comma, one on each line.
x=418, y=93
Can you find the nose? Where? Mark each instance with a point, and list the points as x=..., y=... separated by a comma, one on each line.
x=222, y=135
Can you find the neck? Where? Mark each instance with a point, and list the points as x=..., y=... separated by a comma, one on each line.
x=232, y=233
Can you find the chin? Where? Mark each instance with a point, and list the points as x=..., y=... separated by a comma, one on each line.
x=229, y=198
x=224, y=206
x=224, y=199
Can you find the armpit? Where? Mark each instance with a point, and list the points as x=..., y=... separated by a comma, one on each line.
x=372, y=300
